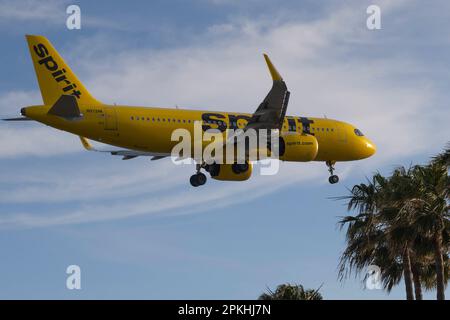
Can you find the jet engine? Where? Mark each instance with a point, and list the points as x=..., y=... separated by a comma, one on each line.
x=298, y=147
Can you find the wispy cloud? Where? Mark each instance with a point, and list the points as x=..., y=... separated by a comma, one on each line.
x=47, y=11
x=11, y=102
x=223, y=69
x=19, y=139
x=133, y=194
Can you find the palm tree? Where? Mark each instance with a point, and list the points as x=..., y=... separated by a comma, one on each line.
x=401, y=197
x=431, y=217
x=424, y=213
x=371, y=239
x=403, y=226
x=443, y=157
x=291, y=292
x=421, y=258
x=428, y=276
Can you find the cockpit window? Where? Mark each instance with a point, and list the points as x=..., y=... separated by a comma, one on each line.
x=358, y=133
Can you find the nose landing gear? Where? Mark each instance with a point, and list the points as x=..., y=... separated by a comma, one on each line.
x=333, y=178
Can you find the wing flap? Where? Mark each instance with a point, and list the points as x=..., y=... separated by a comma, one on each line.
x=126, y=154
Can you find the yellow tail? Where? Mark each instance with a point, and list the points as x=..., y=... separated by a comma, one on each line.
x=54, y=76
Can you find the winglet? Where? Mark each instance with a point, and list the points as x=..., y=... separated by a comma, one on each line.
x=86, y=143
x=273, y=72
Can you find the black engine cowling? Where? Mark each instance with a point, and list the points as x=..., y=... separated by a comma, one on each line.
x=230, y=172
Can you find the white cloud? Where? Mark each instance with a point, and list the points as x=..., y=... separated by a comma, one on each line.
x=48, y=12
x=27, y=138
x=22, y=140
x=226, y=72
x=11, y=102
x=142, y=189
x=27, y=10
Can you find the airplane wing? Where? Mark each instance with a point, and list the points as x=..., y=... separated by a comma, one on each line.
x=270, y=113
x=18, y=119
x=126, y=154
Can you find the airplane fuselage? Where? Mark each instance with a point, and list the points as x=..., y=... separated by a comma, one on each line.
x=149, y=129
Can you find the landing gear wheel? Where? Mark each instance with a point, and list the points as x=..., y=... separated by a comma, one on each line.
x=193, y=180
x=201, y=178
x=333, y=179
x=239, y=167
x=197, y=179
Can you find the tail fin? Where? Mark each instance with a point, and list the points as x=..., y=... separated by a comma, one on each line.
x=54, y=76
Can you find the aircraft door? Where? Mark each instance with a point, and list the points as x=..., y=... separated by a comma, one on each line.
x=110, y=118
x=342, y=135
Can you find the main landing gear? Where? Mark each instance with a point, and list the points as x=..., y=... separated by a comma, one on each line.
x=333, y=178
x=240, y=167
x=199, y=178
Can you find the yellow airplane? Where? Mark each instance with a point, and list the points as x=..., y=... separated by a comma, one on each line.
x=146, y=131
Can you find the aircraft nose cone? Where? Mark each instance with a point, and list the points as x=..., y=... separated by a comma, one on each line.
x=23, y=111
x=370, y=148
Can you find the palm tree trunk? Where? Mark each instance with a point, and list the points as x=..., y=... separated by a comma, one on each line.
x=439, y=260
x=416, y=280
x=407, y=274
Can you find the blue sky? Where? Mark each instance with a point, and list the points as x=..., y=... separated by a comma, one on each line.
x=137, y=229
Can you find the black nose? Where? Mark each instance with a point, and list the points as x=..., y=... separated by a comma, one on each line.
x=22, y=111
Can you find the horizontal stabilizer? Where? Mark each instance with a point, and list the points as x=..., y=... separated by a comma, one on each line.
x=157, y=158
x=128, y=157
x=18, y=119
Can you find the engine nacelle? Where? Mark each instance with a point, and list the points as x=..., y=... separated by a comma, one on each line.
x=229, y=172
x=298, y=147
